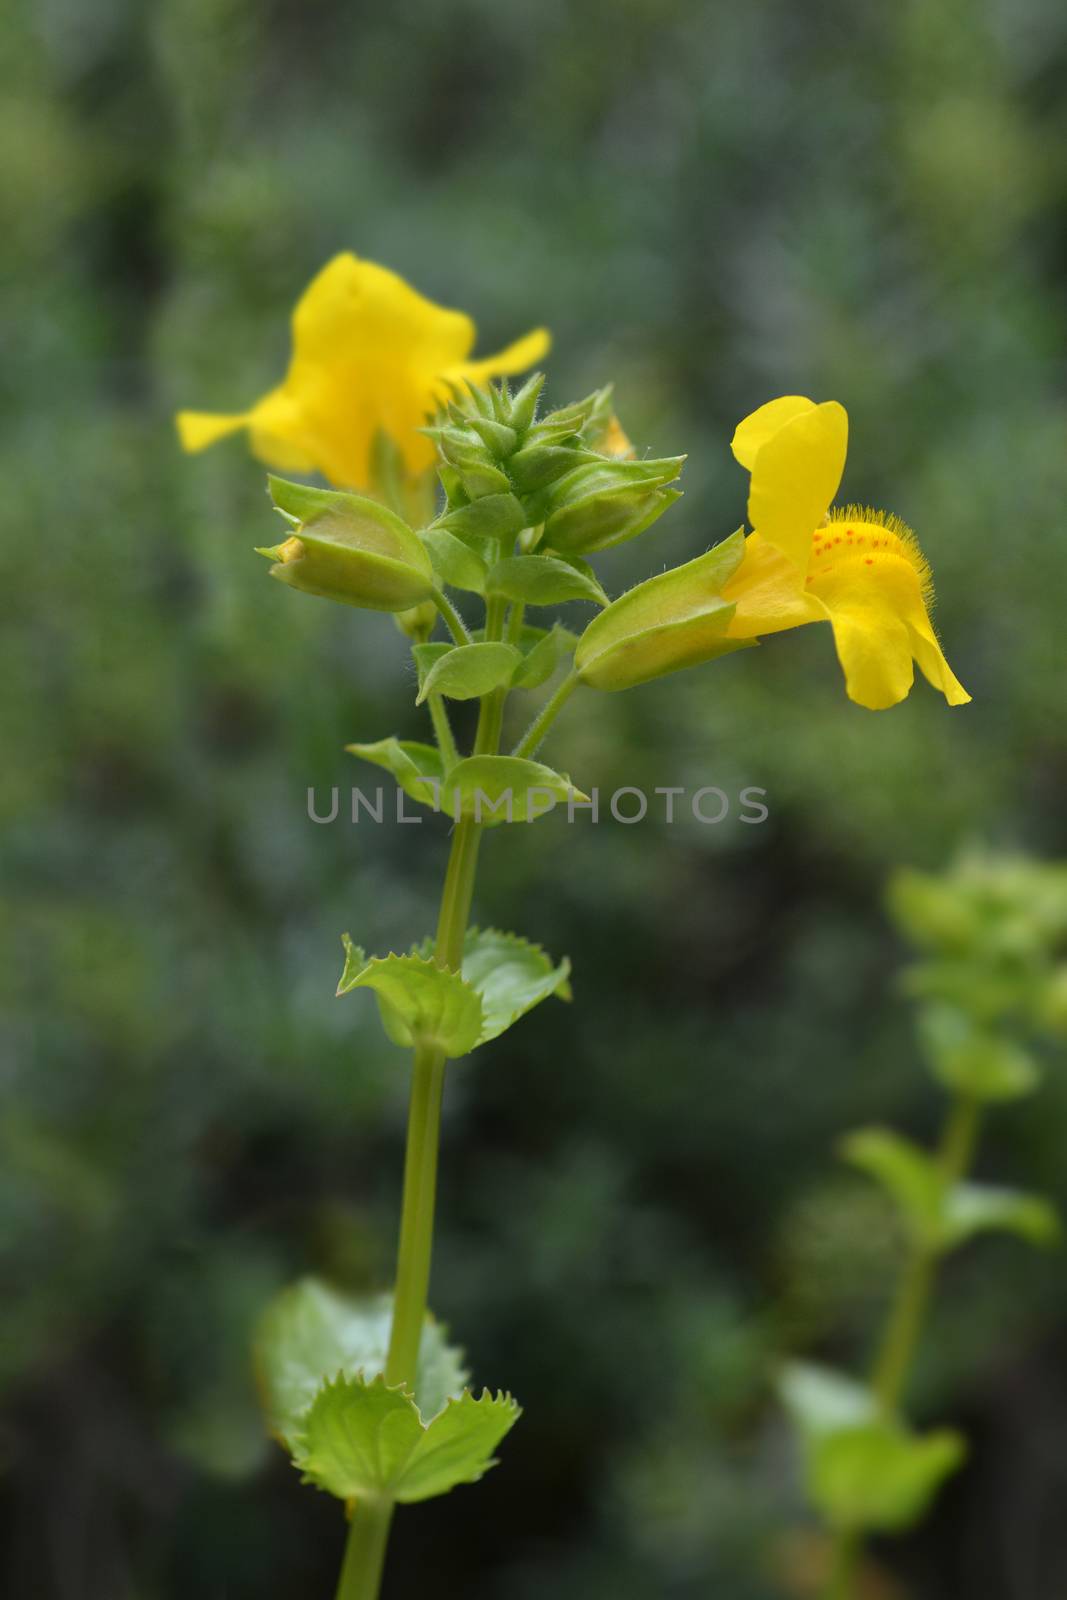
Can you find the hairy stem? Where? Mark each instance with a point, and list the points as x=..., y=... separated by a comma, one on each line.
x=456, y=625
x=551, y=709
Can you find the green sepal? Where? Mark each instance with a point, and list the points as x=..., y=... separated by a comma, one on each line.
x=972, y=1059
x=672, y=621
x=421, y=1004
x=456, y=561
x=498, y=438
x=311, y=1333
x=539, y=658
x=522, y=406
x=468, y=671
x=363, y=1438
x=545, y=580
x=542, y=461
x=481, y=786
x=349, y=548
x=492, y=516
x=418, y=768
x=864, y=1471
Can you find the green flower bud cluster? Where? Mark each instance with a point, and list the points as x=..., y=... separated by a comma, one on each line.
x=505, y=471
x=993, y=977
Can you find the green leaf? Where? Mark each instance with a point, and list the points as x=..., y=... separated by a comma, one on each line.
x=417, y=768
x=362, y=1438
x=311, y=1333
x=356, y=1437
x=458, y=1445
x=510, y=976
x=972, y=1208
x=455, y=561
x=496, y=789
x=878, y=1476
x=821, y=1401
x=544, y=580
x=469, y=670
x=911, y=1177
x=539, y=660
x=863, y=1470
x=426, y=656
x=675, y=620
x=421, y=1004
x=965, y=1056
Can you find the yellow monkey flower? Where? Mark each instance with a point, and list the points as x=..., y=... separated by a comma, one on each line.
x=860, y=570
x=370, y=354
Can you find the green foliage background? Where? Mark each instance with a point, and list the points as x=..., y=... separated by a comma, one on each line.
x=640, y=1215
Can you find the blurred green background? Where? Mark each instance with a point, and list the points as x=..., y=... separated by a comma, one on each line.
x=640, y=1210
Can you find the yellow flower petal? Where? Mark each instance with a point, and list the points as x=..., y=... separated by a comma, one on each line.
x=795, y=478
x=199, y=429
x=369, y=354
x=873, y=597
x=525, y=352
x=753, y=433
x=768, y=592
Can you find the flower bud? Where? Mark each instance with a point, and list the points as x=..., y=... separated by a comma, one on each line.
x=345, y=547
x=675, y=620
x=603, y=502
x=418, y=622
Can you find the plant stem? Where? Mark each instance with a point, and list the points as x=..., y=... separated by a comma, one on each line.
x=442, y=728
x=546, y=716
x=368, y=1531
x=907, y=1315
x=456, y=625
x=361, y=1570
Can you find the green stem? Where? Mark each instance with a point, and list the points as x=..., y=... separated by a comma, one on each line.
x=361, y=1570
x=907, y=1316
x=442, y=729
x=546, y=716
x=369, y=1529
x=456, y=625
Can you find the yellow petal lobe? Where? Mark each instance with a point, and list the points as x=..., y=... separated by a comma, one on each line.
x=795, y=478
x=762, y=424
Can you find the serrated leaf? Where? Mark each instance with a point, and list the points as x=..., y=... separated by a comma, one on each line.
x=356, y=1437
x=971, y=1208
x=421, y=1003
x=417, y=768
x=538, y=662
x=363, y=1438
x=912, y=1178
x=878, y=1477
x=496, y=789
x=544, y=580
x=469, y=670
x=454, y=560
x=458, y=1445
x=511, y=976
x=310, y=1333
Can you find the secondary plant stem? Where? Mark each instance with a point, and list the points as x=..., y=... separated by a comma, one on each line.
x=551, y=709
x=906, y=1318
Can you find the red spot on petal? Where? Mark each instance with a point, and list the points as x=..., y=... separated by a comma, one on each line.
x=869, y=560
